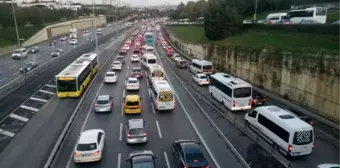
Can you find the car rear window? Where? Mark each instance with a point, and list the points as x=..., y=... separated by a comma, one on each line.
x=136, y=70
x=132, y=103
x=203, y=77
x=143, y=165
x=182, y=62
x=102, y=101
x=195, y=158
x=110, y=75
x=87, y=147
x=119, y=58
x=136, y=131
x=132, y=81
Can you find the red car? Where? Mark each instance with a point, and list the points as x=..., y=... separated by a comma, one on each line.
x=258, y=99
x=122, y=52
x=136, y=51
x=169, y=51
x=137, y=72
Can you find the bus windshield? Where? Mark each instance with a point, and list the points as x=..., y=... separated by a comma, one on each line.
x=67, y=85
x=242, y=92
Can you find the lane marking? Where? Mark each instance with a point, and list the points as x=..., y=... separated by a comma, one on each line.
x=189, y=118
x=122, y=111
x=49, y=85
x=38, y=99
x=2, y=79
x=147, y=80
x=158, y=129
x=29, y=108
x=123, y=93
x=149, y=92
x=166, y=160
x=12, y=67
x=48, y=92
x=125, y=83
x=119, y=160
x=120, y=131
x=126, y=74
x=7, y=133
x=21, y=118
x=16, y=73
x=84, y=123
x=153, y=108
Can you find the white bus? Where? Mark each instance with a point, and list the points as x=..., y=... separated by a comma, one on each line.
x=234, y=93
x=201, y=66
x=148, y=59
x=146, y=49
x=162, y=96
x=155, y=72
x=318, y=14
x=288, y=134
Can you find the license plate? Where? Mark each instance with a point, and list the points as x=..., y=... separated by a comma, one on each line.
x=88, y=154
x=161, y=106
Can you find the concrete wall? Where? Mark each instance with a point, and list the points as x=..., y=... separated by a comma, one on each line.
x=311, y=80
x=63, y=28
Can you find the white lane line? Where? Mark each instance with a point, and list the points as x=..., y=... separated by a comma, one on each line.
x=166, y=160
x=48, y=92
x=12, y=67
x=147, y=81
x=85, y=121
x=38, y=99
x=39, y=62
x=153, y=108
x=122, y=111
x=125, y=83
x=126, y=74
x=123, y=93
x=7, y=133
x=158, y=129
x=120, y=131
x=24, y=119
x=16, y=73
x=190, y=119
x=52, y=86
x=2, y=79
x=149, y=92
x=119, y=160
x=29, y=108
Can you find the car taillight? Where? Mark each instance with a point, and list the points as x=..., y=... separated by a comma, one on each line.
x=96, y=152
x=128, y=135
x=156, y=104
x=290, y=148
x=249, y=102
x=212, y=70
x=234, y=103
x=144, y=134
x=207, y=166
x=186, y=167
x=132, y=74
x=174, y=104
x=75, y=154
x=313, y=146
x=311, y=123
x=96, y=105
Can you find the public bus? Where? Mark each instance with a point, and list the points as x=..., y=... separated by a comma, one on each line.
x=73, y=80
x=234, y=93
x=318, y=14
x=148, y=38
x=155, y=72
x=162, y=96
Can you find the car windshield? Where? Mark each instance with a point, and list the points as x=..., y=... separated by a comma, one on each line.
x=151, y=61
x=182, y=62
x=16, y=51
x=203, y=77
x=206, y=67
x=145, y=164
x=132, y=81
x=195, y=157
x=110, y=75
x=102, y=101
x=57, y=50
x=136, y=131
x=87, y=147
x=116, y=63
x=132, y=103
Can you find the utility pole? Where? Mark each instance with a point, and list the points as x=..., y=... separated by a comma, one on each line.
x=255, y=10
x=94, y=31
x=16, y=25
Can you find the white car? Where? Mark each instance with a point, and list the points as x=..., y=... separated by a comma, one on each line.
x=165, y=46
x=134, y=58
x=176, y=57
x=90, y=146
x=117, y=65
x=200, y=79
x=328, y=165
x=63, y=38
x=126, y=47
x=19, y=53
x=110, y=77
x=132, y=84
x=73, y=41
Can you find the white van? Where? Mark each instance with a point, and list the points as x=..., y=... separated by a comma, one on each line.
x=201, y=66
x=19, y=53
x=162, y=96
x=275, y=18
x=287, y=133
x=147, y=49
x=148, y=59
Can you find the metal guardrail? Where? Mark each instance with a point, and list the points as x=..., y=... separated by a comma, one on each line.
x=19, y=81
x=264, y=92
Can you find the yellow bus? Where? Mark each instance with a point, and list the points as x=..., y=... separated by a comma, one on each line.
x=73, y=80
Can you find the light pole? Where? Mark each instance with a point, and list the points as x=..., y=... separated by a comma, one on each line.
x=94, y=31
x=255, y=10
x=16, y=25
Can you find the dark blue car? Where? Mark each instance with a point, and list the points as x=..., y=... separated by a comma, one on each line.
x=142, y=159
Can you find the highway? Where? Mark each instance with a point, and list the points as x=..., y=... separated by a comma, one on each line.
x=326, y=149
x=10, y=69
x=163, y=127
x=35, y=139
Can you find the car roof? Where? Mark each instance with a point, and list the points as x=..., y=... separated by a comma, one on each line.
x=132, y=97
x=190, y=147
x=136, y=68
x=103, y=97
x=110, y=72
x=89, y=136
x=142, y=158
x=119, y=56
x=136, y=123
x=117, y=62
x=132, y=79
x=201, y=74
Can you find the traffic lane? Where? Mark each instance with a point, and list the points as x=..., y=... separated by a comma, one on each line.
x=328, y=153
x=58, y=112
x=220, y=152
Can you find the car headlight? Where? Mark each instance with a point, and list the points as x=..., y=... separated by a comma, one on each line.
x=21, y=69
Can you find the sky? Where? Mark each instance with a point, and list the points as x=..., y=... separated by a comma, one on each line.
x=132, y=2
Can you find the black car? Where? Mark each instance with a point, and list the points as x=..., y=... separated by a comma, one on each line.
x=188, y=153
x=57, y=52
x=33, y=49
x=121, y=59
x=29, y=66
x=142, y=159
x=52, y=43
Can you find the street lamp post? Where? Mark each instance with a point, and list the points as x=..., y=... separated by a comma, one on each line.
x=94, y=31
x=16, y=25
x=255, y=10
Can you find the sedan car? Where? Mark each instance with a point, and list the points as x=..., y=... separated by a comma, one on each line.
x=200, y=79
x=134, y=58
x=139, y=159
x=110, y=77
x=189, y=154
x=122, y=51
x=132, y=84
x=137, y=72
x=33, y=49
x=176, y=57
x=117, y=65
x=29, y=66
x=103, y=103
x=136, y=131
x=90, y=145
x=181, y=64
x=63, y=38
x=258, y=99
x=52, y=43
x=121, y=59
x=73, y=41
x=57, y=52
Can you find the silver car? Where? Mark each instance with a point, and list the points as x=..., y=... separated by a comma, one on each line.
x=103, y=104
x=136, y=131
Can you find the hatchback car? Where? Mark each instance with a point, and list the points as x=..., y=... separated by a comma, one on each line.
x=103, y=103
x=110, y=77
x=189, y=154
x=120, y=58
x=117, y=65
x=137, y=72
x=132, y=104
x=134, y=58
x=136, y=131
x=200, y=79
x=90, y=146
x=132, y=84
x=142, y=159
x=181, y=64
